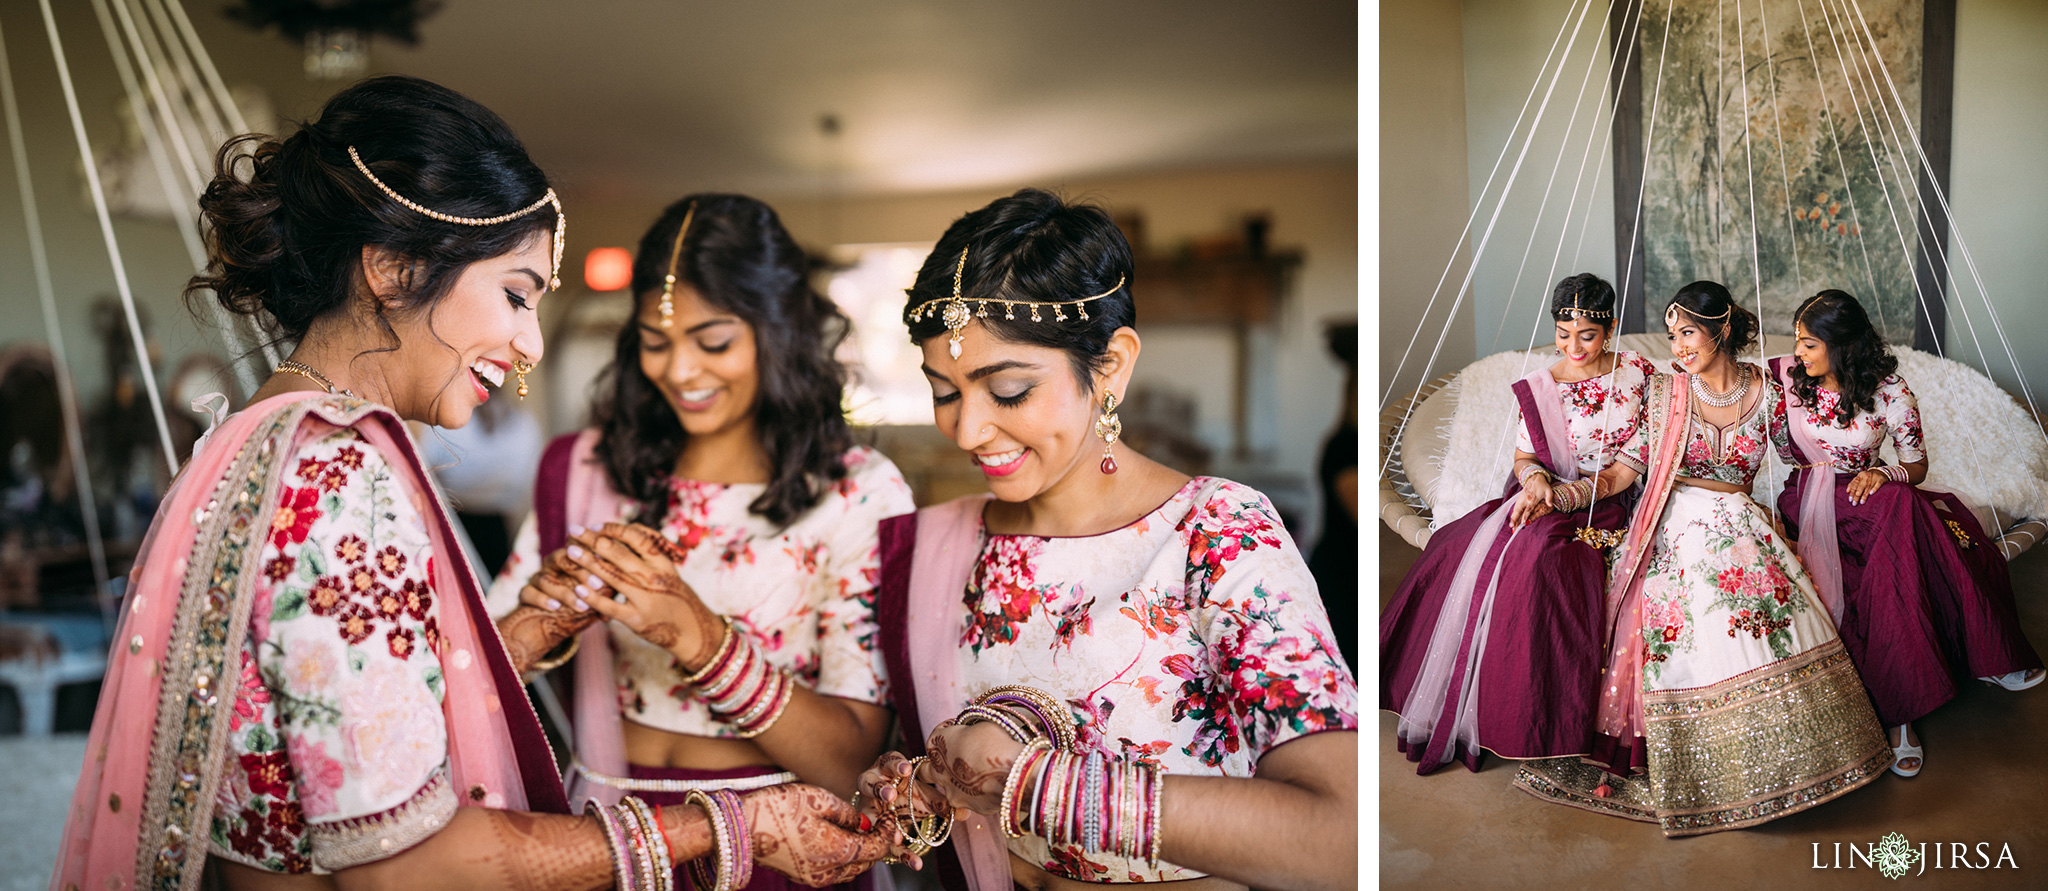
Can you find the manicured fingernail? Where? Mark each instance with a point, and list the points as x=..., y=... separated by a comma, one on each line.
x=865, y=823
x=575, y=552
x=596, y=584
x=580, y=605
x=575, y=529
x=554, y=604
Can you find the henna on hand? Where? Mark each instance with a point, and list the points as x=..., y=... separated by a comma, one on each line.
x=530, y=633
x=804, y=832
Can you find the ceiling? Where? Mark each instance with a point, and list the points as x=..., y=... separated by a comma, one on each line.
x=618, y=98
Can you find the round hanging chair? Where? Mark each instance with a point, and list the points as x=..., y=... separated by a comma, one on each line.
x=1453, y=452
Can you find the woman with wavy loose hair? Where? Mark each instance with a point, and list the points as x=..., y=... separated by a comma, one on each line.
x=1920, y=592
x=719, y=470
x=308, y=689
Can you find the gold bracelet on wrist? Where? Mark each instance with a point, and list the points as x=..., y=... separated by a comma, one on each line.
x=555, y=658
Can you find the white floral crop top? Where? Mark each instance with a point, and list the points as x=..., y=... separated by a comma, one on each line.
x=805, y=594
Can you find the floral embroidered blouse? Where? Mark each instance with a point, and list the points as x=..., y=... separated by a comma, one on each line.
x=1193, y=638
x=1732, y=454
x=337, y=744
x=1600, y=413
x=805, y=593
x=1854, y=446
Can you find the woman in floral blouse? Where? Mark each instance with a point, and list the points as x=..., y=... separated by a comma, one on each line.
x=1488, y=641
x=1171, y=618
x=1728, y=700
x=305, y=681
x=1918, y=589
x=721, y=435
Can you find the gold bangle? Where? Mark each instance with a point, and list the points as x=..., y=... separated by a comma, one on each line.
x=725, y=642
x=556, y=657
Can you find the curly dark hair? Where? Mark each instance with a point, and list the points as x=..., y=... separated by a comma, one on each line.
x=286, y=240
x=741, y=260
x=1587, y=292
x=1857, y=354
x=1732, y=328
x=1034, y=247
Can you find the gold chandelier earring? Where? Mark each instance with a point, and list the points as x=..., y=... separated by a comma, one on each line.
x=1110, y=428
x=520, y=367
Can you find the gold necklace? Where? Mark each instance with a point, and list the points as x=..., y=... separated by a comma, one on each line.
x=307, y=371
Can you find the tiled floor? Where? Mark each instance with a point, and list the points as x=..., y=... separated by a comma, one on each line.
x=36, y=776
x=1986, y=780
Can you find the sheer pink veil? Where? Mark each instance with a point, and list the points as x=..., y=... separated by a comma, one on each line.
x=129, y=790
x=948, y=542
x=1431, y=691
x=600, y=738
x=1817, y=546
x=1667, y=411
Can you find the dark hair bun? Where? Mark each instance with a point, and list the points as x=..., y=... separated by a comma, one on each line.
x=1034, y=248
x=286, y=220
x=1585, y=296
x=1732, y=328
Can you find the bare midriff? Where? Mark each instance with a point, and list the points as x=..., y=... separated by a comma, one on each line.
x=653, y=747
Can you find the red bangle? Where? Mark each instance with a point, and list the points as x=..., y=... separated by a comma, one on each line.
x=658, y=827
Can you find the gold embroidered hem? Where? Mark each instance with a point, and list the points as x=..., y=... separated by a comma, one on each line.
x=1748, y=750
x=366, y=839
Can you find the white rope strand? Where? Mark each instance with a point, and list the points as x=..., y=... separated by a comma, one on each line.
x=1756, y=268
x=1480, y=251
x=1955, y=227
x=1642, y=187
x=99, y=203
x=1841, y=164
x=222, y=97
x=1393, y=381
x=1778, y=130
x=46, y=294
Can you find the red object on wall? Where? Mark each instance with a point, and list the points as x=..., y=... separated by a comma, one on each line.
x=608, y=268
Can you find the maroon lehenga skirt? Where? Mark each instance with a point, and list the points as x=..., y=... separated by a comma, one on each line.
x=1926, y=598
x=1539, y=676
x=764, y=879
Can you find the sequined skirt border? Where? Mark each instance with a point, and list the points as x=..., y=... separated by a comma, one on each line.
x=1748, y=750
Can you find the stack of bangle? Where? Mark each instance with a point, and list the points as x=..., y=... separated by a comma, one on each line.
x=920, y=834
x=1892, y=472
x=640, y=854
x=1055, y=721
x=1532, y=470
x=1087, y=800
x=732, y=845
x=1575, y=495
x=740, y=687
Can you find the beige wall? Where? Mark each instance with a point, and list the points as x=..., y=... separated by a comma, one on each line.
x=1423, y=193
x=1998, y=191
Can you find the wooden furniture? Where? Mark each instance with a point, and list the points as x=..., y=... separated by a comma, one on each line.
x=1236, y=291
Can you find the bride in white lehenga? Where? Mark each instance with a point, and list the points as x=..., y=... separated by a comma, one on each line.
x=1728, y=700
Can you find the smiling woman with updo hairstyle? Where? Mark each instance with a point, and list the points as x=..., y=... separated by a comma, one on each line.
x=1099, y=623
x=1522, y=577
x=1727, y=700
x=306, y=690
x=720, y=497
x=1919, y=591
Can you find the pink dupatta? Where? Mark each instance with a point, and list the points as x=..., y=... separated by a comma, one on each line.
x=927, y=560
x=1431, y=700
x=1817, y=545
x=573, y=489
x=142, y=811
x=1668, y=411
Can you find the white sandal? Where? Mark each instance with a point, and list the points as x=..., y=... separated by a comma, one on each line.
x=1902, y=751
x=2018, y=680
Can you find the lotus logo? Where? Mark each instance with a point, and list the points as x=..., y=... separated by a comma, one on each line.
x=1894, y=856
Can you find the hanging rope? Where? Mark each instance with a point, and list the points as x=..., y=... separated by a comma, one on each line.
x=1778, y=133
x=1841, y=165
x=46, y=294
x=1955, y=227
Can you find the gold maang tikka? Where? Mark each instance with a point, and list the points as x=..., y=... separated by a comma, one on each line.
x=953, y=311
x=1671, y=315
x=561, y=219
x=675, y=254
x=1579, y=312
